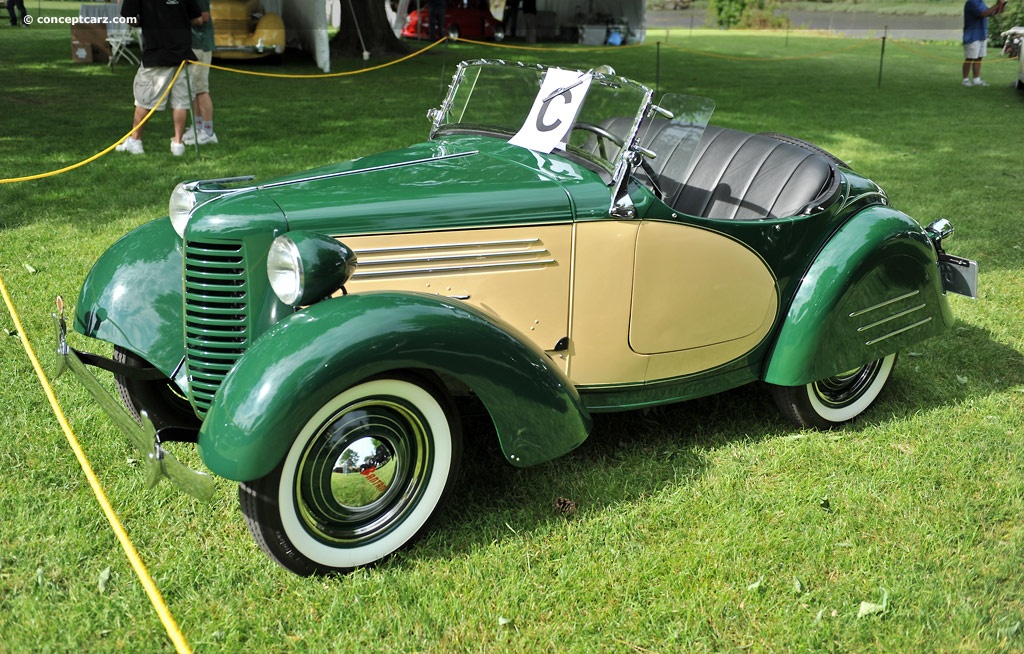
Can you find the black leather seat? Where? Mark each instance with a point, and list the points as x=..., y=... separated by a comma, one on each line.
x=735, y=175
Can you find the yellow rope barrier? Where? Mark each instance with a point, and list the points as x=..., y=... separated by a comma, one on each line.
x=96, y=156
x=865, y=43
x=181, y=66
x=602, y=48
x=155, y=598
x=325, y=75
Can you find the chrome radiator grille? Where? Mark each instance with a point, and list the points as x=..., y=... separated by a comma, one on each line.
x=216, y=317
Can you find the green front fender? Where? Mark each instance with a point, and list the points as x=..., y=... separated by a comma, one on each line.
x=312, y=355
x=132, y=296
x=873, y=290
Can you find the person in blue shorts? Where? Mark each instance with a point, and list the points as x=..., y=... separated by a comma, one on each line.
x=976, y=14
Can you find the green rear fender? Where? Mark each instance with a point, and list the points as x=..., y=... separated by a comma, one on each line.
x=132, y=296
x=873, y=290
x=312, y=355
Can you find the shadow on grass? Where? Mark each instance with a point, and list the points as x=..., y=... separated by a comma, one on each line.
x=628, y=456
x=639, y=454
x=965, y=363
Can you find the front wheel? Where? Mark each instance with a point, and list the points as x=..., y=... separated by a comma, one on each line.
x=829, y=402
x=365, y=474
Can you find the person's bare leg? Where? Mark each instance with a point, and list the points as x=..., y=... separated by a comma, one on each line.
x=179, y=116
x=204, y=107
x=140, y=113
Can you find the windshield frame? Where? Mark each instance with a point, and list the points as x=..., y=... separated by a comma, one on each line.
x=615, y=169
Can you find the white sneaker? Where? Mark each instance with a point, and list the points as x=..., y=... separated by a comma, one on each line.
x=189, y=137
x=967, y=82
x=980, y=82
x=177, y=149
x=131, y=146
x=207, y=138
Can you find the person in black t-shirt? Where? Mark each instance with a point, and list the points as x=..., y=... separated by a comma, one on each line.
x=166, y=42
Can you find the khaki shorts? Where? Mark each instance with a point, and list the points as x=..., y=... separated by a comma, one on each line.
x=975, y=50
x=150, y=84
x=199, y=76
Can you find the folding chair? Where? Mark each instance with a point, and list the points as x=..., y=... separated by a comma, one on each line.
x=121, y=37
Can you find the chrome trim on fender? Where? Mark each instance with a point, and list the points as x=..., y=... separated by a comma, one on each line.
x=884, y=304
x=892, y=317
x=448, y=269
x=919, y=323
x=445, y=246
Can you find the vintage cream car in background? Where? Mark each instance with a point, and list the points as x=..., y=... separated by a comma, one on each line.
x=243, y=29
x=562, y=245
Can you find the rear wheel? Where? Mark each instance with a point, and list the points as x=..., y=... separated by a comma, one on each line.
x=365, y=474
x=829, y=402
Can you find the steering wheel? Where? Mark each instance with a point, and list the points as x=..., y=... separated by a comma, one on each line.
x=602, y=134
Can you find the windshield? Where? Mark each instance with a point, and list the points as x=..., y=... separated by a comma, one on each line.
x=595, y=117
x=498, y=98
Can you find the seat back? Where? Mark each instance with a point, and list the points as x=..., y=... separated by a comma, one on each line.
x=734, y=175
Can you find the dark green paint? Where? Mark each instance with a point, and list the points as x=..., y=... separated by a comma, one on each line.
x=880, y=254
x=326, y=265
x=604, y=399
x=132, y=296
x=316, y=353
x=387, y=193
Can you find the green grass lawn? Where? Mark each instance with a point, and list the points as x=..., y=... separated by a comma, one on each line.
x=707, y=526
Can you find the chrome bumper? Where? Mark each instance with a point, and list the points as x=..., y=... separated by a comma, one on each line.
x=158, y=462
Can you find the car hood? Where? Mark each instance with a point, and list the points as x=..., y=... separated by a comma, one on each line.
x=449, y=183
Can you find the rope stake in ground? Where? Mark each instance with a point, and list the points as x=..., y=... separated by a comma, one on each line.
x=155, y=598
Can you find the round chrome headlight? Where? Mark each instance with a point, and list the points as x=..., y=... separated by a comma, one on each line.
x=183, y=200
x=304, y=267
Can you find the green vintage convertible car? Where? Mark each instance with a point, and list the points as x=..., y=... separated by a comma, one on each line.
x=562, y=245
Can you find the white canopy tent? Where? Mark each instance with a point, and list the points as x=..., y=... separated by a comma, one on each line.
x=306, y=21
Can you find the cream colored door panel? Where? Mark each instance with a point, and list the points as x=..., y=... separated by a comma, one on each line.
x=700, y=298
x=599, y=351
x=519, y=274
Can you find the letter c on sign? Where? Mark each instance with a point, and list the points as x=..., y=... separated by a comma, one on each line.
x=541, y=125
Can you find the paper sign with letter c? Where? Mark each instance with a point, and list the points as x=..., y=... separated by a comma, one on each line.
x=554, y=110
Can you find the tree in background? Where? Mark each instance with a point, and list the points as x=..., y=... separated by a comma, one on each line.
x=752, y=14
x=1012, y=16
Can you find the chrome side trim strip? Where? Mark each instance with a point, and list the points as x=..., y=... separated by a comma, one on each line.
x=884, y=304
x=535, y=263
x=446, y=246
x=899, y=331
x=892, y=317
x=397, y=261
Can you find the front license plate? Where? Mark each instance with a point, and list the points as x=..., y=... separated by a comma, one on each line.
x=959, y=275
